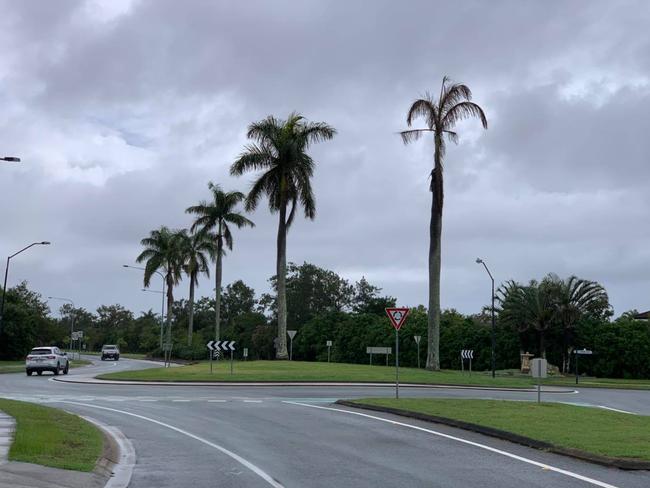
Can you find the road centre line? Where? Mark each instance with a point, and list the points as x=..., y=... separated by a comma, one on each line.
x=255, y=469
x=516, y=457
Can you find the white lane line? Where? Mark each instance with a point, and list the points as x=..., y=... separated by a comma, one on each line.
x=616, y=410
x=252, y=401
x=258, y=471
x=571, y=474
x=147, y=400
x=216, y=401
x=184, y=401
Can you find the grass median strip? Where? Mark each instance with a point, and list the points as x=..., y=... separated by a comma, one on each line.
x=312, y=371
x=51, y=437
x=591, y=430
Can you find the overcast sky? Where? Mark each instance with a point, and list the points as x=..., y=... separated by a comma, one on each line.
x=122, y=111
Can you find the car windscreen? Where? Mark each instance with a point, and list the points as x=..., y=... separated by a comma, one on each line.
x=40, y=352
x=106, y=348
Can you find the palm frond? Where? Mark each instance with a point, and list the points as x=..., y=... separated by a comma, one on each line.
x=461, y=111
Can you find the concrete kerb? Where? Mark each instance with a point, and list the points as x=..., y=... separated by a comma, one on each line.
x=118, y=460
x=620, y=463
x=96, y=381
x=7, y=428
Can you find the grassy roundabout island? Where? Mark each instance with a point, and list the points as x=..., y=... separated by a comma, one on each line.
x=589, y=430
x=313, y=371
x=317, y=371
x=51, y=437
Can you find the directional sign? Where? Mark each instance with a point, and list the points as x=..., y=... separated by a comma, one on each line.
x=397, y=316
x=221, y=345
x=584, y=352
x=216, y=354
x=467, y=354
x=292, y=334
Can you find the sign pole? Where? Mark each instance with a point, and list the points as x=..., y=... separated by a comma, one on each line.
x=577, y=356
x=231, y=361
x=328, y=353
x=396, y=364
x=418, y=354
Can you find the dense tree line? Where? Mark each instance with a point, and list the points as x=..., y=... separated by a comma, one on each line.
x=323, y=306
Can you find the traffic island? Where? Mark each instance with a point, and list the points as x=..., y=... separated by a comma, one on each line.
x=49, y=444
x=591, y=434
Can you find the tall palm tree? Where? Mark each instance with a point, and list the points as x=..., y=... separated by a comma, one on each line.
x=196, y=249
x=214, y=217
x=576, y=298
x=163, y=251
x=279, y=150
x=441, y=115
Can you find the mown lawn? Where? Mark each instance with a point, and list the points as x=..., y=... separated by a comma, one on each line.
x=588, y=429
x=312, y=371
x=51, y=437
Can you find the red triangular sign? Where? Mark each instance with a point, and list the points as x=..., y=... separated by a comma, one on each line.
x=397, y=316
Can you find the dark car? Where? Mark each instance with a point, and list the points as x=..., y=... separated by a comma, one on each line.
x=110, y=352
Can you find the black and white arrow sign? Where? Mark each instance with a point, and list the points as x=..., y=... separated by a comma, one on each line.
x=467, y=353
x=221, y=345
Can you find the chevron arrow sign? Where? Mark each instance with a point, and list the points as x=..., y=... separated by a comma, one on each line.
x=221, y=345
x=467, y=353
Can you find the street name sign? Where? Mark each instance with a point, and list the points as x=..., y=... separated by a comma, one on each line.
x=584, y=352
x=379, y=350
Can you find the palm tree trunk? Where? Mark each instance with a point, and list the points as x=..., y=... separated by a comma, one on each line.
x=281, y=274
x=190, y=325
x=170, y=305
x=435, y=241
x=542, y=344
x=217, y=290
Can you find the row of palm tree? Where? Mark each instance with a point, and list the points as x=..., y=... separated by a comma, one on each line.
x=189, y=252
x=279, y=151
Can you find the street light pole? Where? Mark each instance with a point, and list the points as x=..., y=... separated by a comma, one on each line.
x=162, y=313
x=4, y=288
x=71, y=319
x=480, y=261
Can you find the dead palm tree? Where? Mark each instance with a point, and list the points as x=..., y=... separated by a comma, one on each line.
x=440, y=116
x=212, y=218
x=280, y=152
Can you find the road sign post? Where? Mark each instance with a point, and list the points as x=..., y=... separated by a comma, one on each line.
x=538, y=370
x=245, y=353
x=417, y=341
x=397, y=317
x=578, y=353
x=329, y=347
x=216, y=346
x=292, y=334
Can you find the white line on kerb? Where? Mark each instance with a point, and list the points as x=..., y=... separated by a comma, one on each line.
x=258, y=471
x=617, y=410
x=571, y=474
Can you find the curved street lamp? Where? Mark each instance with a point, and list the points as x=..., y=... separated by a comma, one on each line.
x=480, y=261
x=4, y=288
x=162, y=313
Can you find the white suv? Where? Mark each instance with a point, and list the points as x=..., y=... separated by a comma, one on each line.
x=46, y=359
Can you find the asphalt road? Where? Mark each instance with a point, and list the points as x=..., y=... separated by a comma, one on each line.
x=243, y=436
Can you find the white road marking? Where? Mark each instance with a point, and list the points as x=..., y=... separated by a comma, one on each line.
x=616, y=410
x=184, y=401
x=216, y=401
x=147, y=400
x=252, y=401
x=548, y=467
x=255, y=469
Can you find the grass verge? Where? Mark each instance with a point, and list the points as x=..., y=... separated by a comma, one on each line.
x=311, y=371
x=51, y=437
x=591, y=430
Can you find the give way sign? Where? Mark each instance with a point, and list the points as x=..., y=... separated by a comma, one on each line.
x=397, y=316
